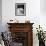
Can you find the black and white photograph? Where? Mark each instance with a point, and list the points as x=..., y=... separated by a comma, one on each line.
x=20, y=9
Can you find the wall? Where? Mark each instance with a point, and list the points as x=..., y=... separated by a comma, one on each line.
x=43, y=14
x=33, y=13
x=0, y=15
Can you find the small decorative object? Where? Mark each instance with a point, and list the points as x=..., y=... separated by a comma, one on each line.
x=14, y=21
x=20, y=9
x=41, y=36
x=11, y=20
x=27, y=21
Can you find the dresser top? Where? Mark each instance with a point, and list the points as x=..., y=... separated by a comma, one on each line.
x=19, y=23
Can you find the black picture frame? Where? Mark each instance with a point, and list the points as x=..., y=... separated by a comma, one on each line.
x=20, y=9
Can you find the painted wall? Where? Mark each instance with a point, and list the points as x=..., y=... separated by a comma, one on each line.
x=33, y=13
x=0, y=15
x=43, y=14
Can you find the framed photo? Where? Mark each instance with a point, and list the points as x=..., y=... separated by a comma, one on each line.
x=20, y=9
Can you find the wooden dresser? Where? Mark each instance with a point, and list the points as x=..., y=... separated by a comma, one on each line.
x=22, y=33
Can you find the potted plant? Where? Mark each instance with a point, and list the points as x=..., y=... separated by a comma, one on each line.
x=41, y=36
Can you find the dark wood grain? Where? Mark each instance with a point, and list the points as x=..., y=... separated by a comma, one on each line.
x=22, y=27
